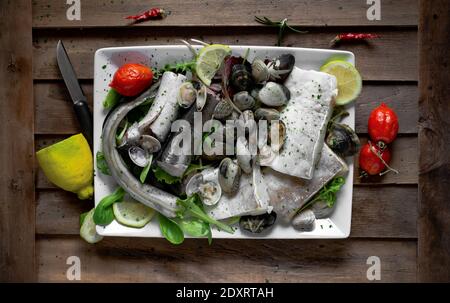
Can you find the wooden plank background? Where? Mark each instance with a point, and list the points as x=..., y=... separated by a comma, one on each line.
x=384, y=209
x=434, y=138
x=17, y=208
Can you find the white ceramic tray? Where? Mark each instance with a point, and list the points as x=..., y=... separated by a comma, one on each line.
x=107, y=61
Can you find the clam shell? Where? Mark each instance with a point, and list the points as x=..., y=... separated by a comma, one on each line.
x=243, y=100
x=202, y=96
x=304, y=221
x=150, y=144
x=222, y=110
x=260, y=71
x=267, y=114
x=206, y=186
x=138, y=156
x=229, y=176
x=243, y=155
x=187, y=95
x=274, y=94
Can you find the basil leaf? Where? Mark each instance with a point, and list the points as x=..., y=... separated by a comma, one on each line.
x=103, y=214
x=195, y=227
x=170, y=230
x=101, y=163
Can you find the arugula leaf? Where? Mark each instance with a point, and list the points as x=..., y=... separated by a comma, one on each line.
x=190, y=207
x=180, y=67
x=194, y=167
x=112, y=98
x=145, y=171
x=103, y=214
x=101, y=163
x=162, y=176
x=327, y=193
x=170, y=230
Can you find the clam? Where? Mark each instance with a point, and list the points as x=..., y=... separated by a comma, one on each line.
x=243, y=100
x=274, y=94
x=202, y=96
x=138, y=156
x=304, y=221
x=322, y=210
x=256, y=224
x=281, y=67
x=206, y=187
x=268, y=114
x=260, y=71
x=187, y=95
x=222, y=110
x=229, y=176
x=343, y=140
x=243, y=155
x=150, y=144
x=241, y=77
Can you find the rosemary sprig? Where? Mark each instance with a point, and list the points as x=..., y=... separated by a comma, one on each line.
x=282, y=25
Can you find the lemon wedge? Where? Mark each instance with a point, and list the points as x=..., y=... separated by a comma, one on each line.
x=132, y=213
x=209, y=61
x=348, y=80
x=68, y=164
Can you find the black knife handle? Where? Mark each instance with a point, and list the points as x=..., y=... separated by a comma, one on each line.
x=85, y=119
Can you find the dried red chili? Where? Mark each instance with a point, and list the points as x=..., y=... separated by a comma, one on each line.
x=154, y=13
x=353, y=37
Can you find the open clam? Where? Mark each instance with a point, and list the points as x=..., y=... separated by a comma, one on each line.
x=205, y=184
x=343, y=140
x=186, y=95
x=274, y=94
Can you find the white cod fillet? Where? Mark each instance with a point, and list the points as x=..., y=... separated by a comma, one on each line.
x=306, y=117
x=288, y=194
x=251, y=198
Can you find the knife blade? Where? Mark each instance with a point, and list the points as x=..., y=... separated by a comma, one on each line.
x=79, y=100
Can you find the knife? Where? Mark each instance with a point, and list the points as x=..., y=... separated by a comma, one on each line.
x=80, y=105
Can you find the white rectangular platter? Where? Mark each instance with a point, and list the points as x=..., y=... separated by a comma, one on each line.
x=108, y=60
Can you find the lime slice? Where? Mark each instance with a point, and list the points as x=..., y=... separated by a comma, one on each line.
x=87, y=230
x=132, y=213
x=209, y=60
x=348, y=80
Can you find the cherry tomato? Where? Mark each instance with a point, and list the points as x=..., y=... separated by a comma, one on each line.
x=383, y=124
x=369, y=161
x=131, y=79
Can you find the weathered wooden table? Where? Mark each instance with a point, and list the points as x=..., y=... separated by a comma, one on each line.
x=406, y=230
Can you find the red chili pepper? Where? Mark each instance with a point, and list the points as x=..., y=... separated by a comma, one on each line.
x=353, y=37
x=154, y=13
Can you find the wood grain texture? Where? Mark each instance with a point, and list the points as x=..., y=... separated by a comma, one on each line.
x=156, y=260
x=105, y=13
x=392, y=57
x=17, y=221
x=434, y=139
x=384, y=211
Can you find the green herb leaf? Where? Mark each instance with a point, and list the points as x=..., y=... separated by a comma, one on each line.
x=170, y=230
x=327, y=193
x=162, y=176
x=195, y=167
x=112, y=99
x=103, y=214
x=190, y=207
x=180, y=67
x=122, y=131
x=101, y=163
x=145, y=171
x=195, y=227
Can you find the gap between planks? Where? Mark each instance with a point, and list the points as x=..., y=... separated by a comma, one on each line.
x=391, y=57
